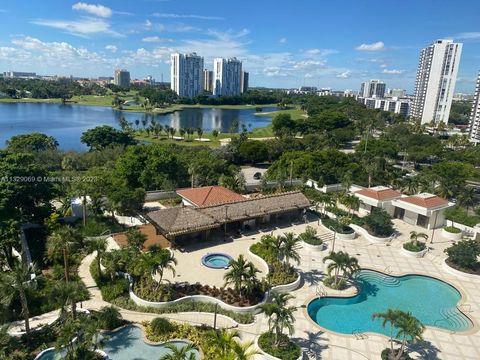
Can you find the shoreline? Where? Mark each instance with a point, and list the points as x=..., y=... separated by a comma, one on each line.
x=138, y=108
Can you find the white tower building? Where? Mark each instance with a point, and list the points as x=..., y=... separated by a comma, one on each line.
x=186, y=74
x=435, y=82
x=227, y=77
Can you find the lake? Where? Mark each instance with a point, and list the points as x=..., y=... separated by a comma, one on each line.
x=67, y=122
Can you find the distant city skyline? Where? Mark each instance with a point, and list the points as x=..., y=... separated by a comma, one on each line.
x=322, y=44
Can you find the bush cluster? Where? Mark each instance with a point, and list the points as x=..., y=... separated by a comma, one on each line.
x=286, y=350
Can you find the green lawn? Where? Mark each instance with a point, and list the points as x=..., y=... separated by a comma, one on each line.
x=296, y=114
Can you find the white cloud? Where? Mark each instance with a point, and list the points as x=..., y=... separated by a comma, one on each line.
x=377, y=46
x=111, y=48
x=383, y=66
x=83, y=27
x=344, y=75
x=274, y=71
x=156, y=39
x=306, y=64
x=283, y=40
x=392, y=71
x=186, y=16
x=96, y=10
x=148, y=24
x=468, y=36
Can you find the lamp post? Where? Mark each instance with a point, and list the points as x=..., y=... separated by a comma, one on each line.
x=334, y=237
x=434, y=226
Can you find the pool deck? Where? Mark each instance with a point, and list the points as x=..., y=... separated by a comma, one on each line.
x=441, y=344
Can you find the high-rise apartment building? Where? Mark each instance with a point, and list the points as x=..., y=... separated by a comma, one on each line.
x=121, y=78
x=186, y=74
x=227, y=75
x=244, y=82
x=208, y=80
x=435, y=82
x=474, y=124
x=372, y=88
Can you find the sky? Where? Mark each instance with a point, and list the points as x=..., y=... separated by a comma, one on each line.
x=325, y=43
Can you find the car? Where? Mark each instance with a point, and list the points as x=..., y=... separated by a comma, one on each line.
x=257, y=175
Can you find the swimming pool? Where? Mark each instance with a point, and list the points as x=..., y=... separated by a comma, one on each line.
x=432, y=301
x=127, y=344
x=217, y=260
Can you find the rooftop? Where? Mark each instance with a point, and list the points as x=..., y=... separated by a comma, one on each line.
x=209, y=195
x=425, y=200
x=379, y=193
x=184, y=220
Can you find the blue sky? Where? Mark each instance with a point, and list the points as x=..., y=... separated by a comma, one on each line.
x=325, y=43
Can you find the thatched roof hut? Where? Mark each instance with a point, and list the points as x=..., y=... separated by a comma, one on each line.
x=185, y=220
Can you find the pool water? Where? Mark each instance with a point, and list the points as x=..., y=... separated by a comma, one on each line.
x=432, y=301
x=128, y=344
x=216, y=261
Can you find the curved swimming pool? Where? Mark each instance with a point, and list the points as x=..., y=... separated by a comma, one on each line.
x=216, y=260
x=430, y=300
x=127, y=344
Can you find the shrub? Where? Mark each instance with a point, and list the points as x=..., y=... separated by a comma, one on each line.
x=459, y=215
x=415, y=247
x=184, y=306
x=161, y=326
x=379, y=223
x=287, y=350
x=113, y=289
x=463, y=254
x=109, y=318
x=386, y=355
x=452, y=229
x=310, y=236
x=337, y=226
x=278, y=274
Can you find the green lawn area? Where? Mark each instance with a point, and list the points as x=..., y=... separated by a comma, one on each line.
x=296, y=114
x=30, y=100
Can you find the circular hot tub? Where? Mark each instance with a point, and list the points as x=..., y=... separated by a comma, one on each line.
x=217, y=260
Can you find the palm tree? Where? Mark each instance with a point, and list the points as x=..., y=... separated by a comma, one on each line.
x=351, y=202
x=414, y=237
x=179, y=352
x=389, y=317
x=280, y=316
x=242, y=273
x=199, y=132
x=408, y=328
x=309, y=235
x=15, y=284
x=100, y=246
x=155, y=263
x=467, y=198
x=167, y=261
x=289, y=248
x=68, y=294
x=136, y=239
x=341, y=262
x=227, y=346
x=63, y=241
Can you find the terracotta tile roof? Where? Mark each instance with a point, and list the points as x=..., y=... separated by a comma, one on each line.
x=209, y=195
x=379, y=194
x=428, y=202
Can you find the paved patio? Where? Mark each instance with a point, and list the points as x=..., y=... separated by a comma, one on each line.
x=190, y=268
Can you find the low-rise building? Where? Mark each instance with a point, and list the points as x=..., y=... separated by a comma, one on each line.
x=207, y=196
x=425, y=210
x=377, y=197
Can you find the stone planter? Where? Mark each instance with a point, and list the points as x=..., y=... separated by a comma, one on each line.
x=451, y=236
x=265, y=356
x=254, y=309
x=415, y=254
x=458, y=273
x=369, y=237
x=340, y=236
x=310, y=247
x=286, y=288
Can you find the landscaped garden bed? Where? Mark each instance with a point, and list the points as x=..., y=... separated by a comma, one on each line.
x=280, y=272
x=463, y=257
x=281, y=347
x=148, y=289
x=414, y=247
x=452, y=233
